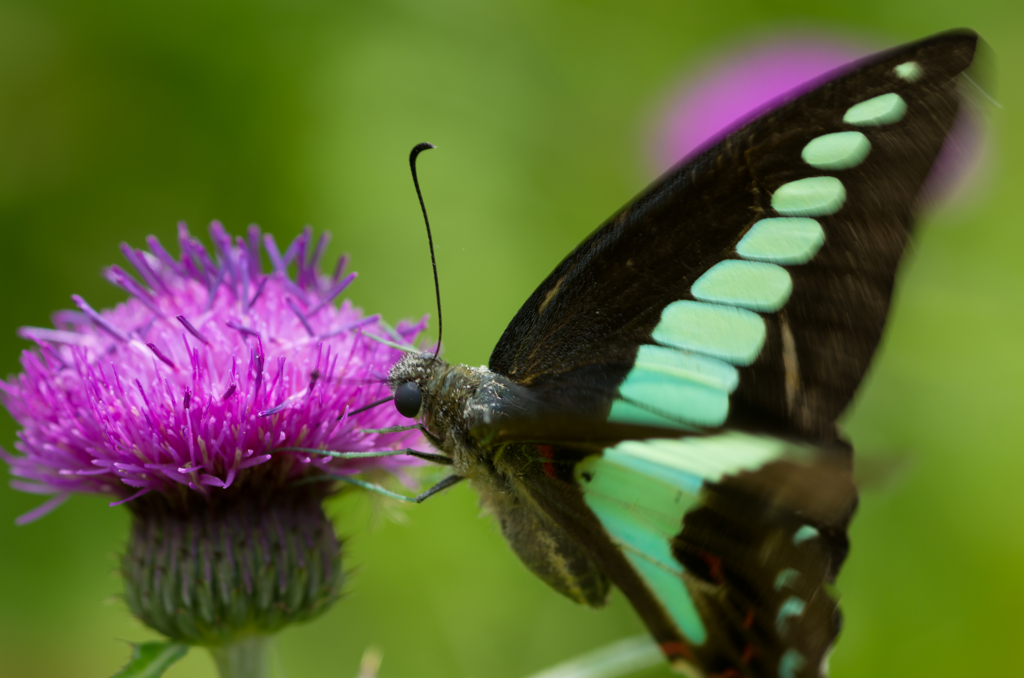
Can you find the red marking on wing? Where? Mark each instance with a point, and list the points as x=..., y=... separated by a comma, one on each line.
x=749, y=621
x=748, y=654
x=675, y=649
x=714, y=565
x=547, y=453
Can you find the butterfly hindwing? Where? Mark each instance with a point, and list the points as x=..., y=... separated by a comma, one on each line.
x=748, y=287
x=725, y=544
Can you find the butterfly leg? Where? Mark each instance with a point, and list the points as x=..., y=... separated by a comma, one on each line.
x=442, y=485
x=431, y=457
x=427, y=456
x=395, y=429
x=418, y=499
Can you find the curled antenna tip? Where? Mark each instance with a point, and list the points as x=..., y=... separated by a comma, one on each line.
x=419, y=148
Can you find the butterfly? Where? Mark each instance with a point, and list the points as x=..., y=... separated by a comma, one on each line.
x=660, y=415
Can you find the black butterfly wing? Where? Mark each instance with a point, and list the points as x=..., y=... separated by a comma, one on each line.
x=744, y=291
x=769, y=260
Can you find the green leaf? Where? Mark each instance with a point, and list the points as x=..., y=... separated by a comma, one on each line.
x=150, y=660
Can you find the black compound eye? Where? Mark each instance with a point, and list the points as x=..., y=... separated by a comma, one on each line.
x=408, y=399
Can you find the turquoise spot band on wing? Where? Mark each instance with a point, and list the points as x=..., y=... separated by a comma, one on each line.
x=649, y=534
x=909, y=71
x=671, y=592
x=747, y=284
x=656, y=501
x=786, y=578
x=642, y=514
x=881, y=110
x=793, y=607
x=641, y=490
x=810, y=197
x=837, y=151
x=670, y=388
x=676, y=398
x=790, y=663
x=724, y=332
x=687, y=366
x=686, y=463
x=804, y=533
x=782, y=240
x=623, y=412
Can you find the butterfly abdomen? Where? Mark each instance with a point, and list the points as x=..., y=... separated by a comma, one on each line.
x=543, y=544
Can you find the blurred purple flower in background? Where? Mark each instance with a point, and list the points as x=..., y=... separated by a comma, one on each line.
x=740, y=86
x=198, y=378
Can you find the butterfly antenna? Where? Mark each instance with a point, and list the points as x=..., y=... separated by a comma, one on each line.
x=419, y=148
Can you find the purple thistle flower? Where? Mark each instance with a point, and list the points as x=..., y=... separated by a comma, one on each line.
x=204, y=378
x=738, y=87
x=204, y=403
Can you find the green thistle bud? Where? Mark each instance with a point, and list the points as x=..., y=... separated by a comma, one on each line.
x=216, y=572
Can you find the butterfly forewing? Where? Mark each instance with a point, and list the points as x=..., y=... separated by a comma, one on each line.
x=765, y=266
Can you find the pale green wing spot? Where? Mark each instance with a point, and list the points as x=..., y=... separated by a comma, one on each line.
x=836, y=151
x=671, y=592
x=629, y=531
x=793, y=607
x=642, y=513
x=640, y=490
x=675, y=389
x=688, y=366
x=810, y=197
x=658, y=499
x=804, y=533
x=747, y=284
x=731, y=334
x=790, y=663
x=786, y=578
x=628, y=413
x=629, y=464
x=708, y=458
x=909, y=71
x=782, y=240
x=675, y=398
x=884, y=109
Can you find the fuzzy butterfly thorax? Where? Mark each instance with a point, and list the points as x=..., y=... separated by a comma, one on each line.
x=460, y=404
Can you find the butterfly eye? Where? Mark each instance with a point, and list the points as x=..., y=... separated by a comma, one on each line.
x=408, y=399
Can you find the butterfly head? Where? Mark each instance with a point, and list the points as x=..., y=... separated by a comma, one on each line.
x=412, y=380
x=456, y=404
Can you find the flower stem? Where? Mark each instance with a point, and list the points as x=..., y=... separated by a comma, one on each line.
x=619, y=659
x=245, y=658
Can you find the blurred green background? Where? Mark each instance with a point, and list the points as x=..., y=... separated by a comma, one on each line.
x=117, y=119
